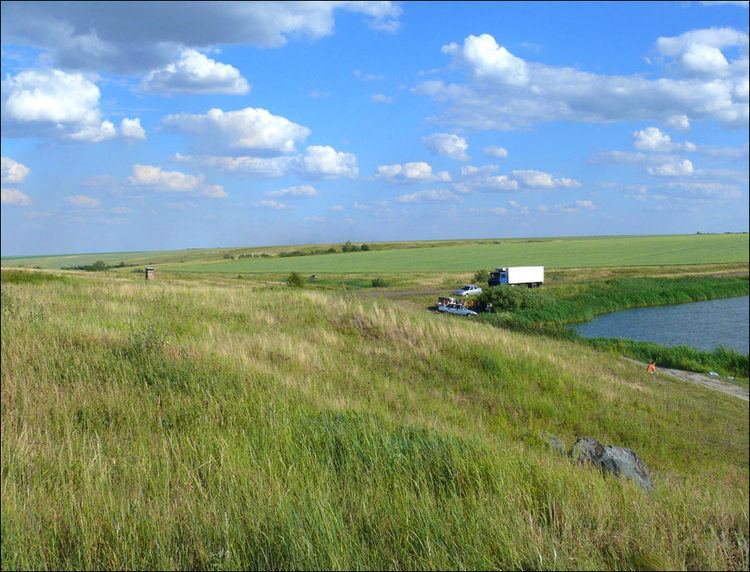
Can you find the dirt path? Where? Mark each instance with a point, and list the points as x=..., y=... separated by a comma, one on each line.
x=701, y=379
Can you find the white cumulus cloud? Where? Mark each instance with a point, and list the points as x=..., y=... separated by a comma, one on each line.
x=256, y=167
x=576, y=206
x=447, y=145
x=483, y=179
x=195, y=72
x=429, y=196
x=82, y=201
x=671, y=169
x=494, y=151
x=489, y=61
x=503, y=92
x=95, y=133
x=539, y=179
x=415, y=172
x=700, y=51
x=317, y=162
x=653, y=139
x=300, y=191
x=271, y=204
x=14, y=197
x=159, y=180
x=50, y=96
x=251, y=129
x=131, y=129
x=325, y=162
x=214, y=192
x=381, y=98
x=679, y=122
x=55, y=103
x=12, y=171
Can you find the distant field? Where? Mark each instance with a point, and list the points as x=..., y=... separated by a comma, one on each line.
x=57, y=261
x=53, y=262
x=432, y=256
x=553, y=253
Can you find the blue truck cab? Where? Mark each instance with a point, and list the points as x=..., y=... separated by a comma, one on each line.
x=497, y=277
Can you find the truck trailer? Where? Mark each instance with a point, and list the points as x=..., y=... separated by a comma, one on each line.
x=531, y=276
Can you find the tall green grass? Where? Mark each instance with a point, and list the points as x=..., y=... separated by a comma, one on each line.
x=28, y=277
x=158, y=425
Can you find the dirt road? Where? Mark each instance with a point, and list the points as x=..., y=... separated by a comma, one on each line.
x=702, y=379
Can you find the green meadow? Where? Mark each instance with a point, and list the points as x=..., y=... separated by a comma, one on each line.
x=551, y=253
x=433, y=256
x=230, y=425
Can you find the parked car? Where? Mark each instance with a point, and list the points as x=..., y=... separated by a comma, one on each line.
x=468, y=290
x=457, y=309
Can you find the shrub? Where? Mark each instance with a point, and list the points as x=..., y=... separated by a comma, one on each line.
x=379, y=282
x=481, y=276
x=365, y=247
x=295, y=280
x=512, y=298
x=97, y=266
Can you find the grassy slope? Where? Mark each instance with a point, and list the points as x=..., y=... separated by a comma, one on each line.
x=555, y=253
x=269, y=428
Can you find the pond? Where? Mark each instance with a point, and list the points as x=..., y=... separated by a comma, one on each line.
x=702, y=325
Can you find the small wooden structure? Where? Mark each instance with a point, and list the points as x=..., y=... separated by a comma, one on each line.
x=150, y=273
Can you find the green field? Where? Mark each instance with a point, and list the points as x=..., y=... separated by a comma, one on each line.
x=438, y=256
x=57, y=261
x=200, y=425
x=555, y=253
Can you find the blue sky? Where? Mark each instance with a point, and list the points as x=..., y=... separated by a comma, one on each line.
x=144, y=126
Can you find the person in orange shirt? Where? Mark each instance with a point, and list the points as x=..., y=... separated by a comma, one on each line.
x=651, y=367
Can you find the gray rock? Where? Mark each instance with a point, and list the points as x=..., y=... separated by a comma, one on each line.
x=554, y=443
x=623, y=462
x=617, y=461
x=586, y=450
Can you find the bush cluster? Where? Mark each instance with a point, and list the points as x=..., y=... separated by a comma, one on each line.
x=97, y=266
x=349, y=247
x=512, y=298
x=295, y=280
x=481, y=276
x=311, y=252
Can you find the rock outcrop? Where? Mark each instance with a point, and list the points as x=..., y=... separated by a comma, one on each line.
x=616, y=461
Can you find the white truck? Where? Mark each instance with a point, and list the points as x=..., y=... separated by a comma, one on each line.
x=531, y=276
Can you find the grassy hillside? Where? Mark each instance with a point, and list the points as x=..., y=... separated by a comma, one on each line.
x=432, y=256
x=171, y=425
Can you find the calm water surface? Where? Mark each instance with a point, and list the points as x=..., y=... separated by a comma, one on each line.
x=702, y=325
